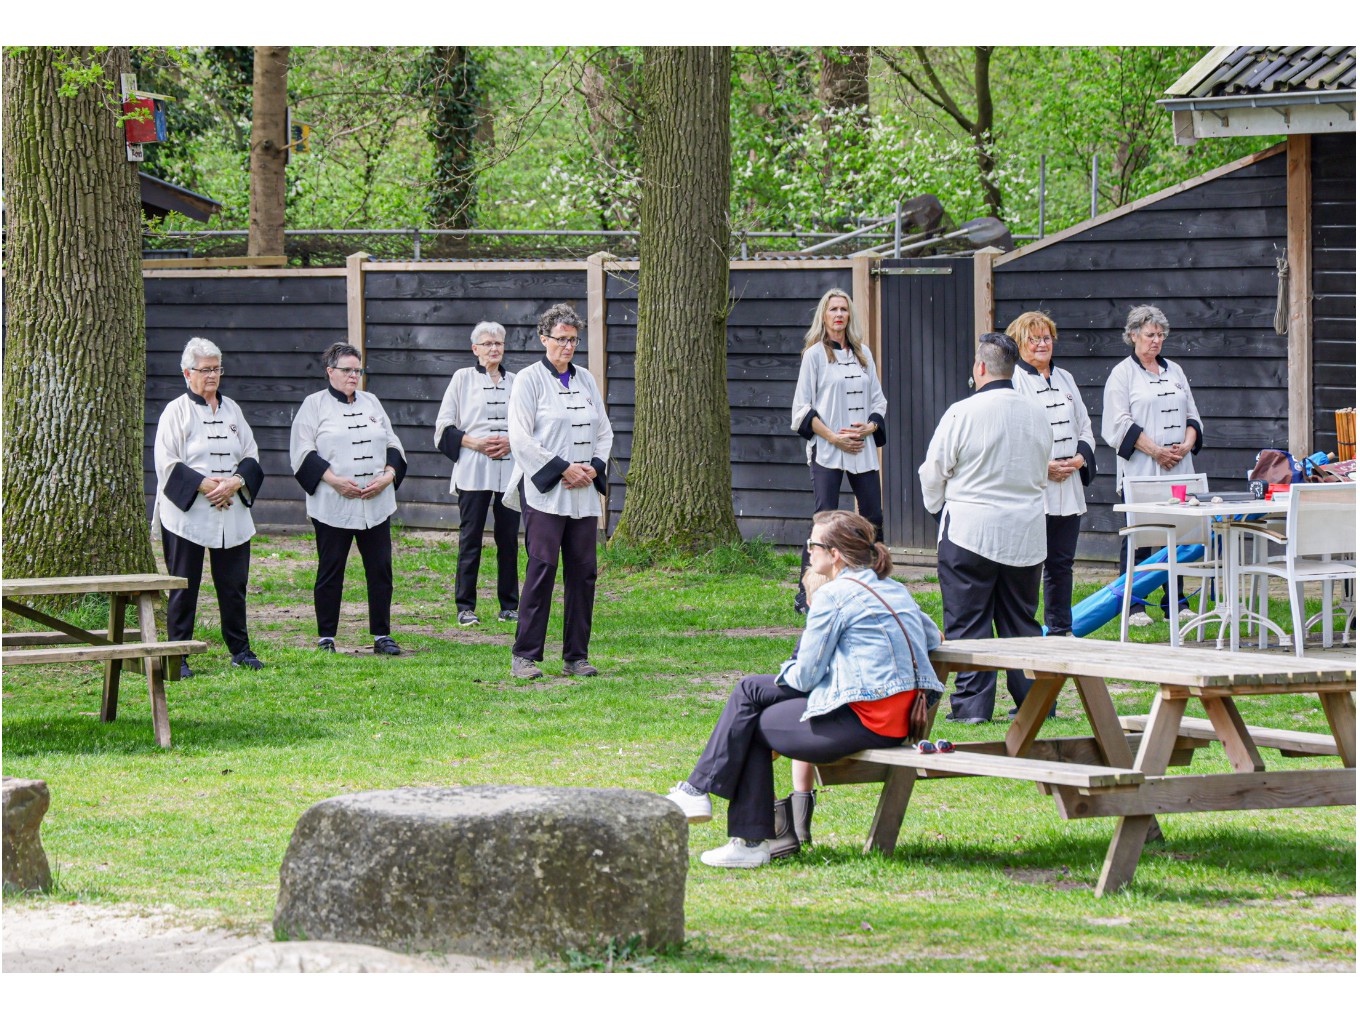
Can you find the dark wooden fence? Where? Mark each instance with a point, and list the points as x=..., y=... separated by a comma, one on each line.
x=1333, y=255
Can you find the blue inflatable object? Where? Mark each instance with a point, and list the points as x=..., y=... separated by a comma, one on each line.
x=1104, y=606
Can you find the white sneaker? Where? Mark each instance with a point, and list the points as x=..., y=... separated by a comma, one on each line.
x=736, y=854
x=1140, y=620
x=696, y=809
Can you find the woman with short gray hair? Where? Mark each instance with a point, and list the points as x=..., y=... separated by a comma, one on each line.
x=207, y=476
x=1149, y=417
x=472, y=431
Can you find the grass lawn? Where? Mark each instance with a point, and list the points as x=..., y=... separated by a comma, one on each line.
x=986, y=877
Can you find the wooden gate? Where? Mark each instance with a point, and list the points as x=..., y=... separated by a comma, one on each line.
x=927, y=330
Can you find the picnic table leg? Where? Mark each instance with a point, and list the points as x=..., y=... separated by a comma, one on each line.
x=1232, y=732
x=1042, y=696
x=1109, y=734
x=892, y=806
x=155, y=668
x=1131, y=831
x=1340, y=709
x=108, y=705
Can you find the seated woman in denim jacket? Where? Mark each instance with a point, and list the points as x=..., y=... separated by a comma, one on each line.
x=850, y=689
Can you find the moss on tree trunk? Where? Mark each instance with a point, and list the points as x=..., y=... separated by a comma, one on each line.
x=680, y=476
x=75, y=326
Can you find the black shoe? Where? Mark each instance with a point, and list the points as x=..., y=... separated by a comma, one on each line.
x=386, y=646
x=325, y=644
x=969, y=721
x=247, y=659
x=508, y=615
x=184, y=671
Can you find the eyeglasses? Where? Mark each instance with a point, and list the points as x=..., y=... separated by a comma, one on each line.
x=817, y=545
x=489, y=343
x=563, y=341
x=1041, y=341
x=348, y=371
x=208, y=371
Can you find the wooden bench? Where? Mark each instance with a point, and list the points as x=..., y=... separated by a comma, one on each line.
x=1092, y=778
x=1290, y=743
x=113, y=646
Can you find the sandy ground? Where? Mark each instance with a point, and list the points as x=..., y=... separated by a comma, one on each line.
x=81, y=938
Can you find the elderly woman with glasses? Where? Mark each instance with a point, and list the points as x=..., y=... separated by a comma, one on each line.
x=472, y=431
x=207, y=476
x=838, y=404
x=348, y=459
x=1071, y=465
x=1149, y=415
x=560, y=438
x=862, y=662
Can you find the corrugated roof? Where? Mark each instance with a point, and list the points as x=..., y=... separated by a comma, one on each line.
x=1268, y=70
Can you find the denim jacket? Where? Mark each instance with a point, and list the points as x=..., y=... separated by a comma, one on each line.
x=853, y=650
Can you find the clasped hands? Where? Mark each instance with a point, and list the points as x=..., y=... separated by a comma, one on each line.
x=351, y=489
x=851, y=438
x=219, y=490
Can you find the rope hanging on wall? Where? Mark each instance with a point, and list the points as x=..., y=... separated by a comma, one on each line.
x=1282, y=296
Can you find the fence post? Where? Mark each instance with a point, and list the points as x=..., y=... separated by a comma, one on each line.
x=597, y=356
x=984, y=299
x=864, y=293
x=354, y=302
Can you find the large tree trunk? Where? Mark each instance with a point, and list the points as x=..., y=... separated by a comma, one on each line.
x=680, y=478
x=268, y=151
x=75, y=326
x=449, y=80
x=843, y=82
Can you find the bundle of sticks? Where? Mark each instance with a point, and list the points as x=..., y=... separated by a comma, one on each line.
x=1345, y=434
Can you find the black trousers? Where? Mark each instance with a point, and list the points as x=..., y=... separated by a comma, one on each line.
x=826, y=495
x=472, y=509
x=230, y=571
x=760, y=716
x=332, y=550
x=980, y=594
x=548, y=537
x=1063, y=533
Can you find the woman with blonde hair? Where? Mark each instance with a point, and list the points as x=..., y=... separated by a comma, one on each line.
x=837, y=405
x=862, y=662
x=1072, y=462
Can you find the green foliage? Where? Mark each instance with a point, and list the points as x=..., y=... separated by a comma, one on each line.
x=447, y=79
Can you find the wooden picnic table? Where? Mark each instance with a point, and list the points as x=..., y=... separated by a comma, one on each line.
x=141, y=649
x=1120, y=769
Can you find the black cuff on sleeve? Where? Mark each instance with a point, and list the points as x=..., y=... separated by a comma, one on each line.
x=1088, y=469
x=312, y=471
x=1199, y=434
x=549, y=474
x=1130, y=440
x=601, y=472
x=805, y=429
x=181, y=488
x=253, y=476
x=881, y=432
x=398, y=463
x=451, y=443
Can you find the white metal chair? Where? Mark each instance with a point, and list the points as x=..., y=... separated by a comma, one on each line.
x=1320, y=546
x=1166, y=531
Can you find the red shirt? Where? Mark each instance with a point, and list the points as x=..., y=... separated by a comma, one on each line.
x=888, y=717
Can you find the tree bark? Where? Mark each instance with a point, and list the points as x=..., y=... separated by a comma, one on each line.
x=268, y=151
x=75, y=326
x=843, y=83
x=450, y=82
x=680, y=476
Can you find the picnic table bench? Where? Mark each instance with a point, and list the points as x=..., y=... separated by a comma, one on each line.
x=1119, y=770
x=113, y=646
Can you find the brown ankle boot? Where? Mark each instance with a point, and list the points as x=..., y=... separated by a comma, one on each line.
x=802, y=805
x=785, y=842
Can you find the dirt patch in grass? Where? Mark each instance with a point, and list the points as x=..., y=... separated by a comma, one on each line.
x=747, y=632
x=1055, y=877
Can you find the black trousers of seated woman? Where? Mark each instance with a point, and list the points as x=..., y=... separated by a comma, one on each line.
x=761, y=716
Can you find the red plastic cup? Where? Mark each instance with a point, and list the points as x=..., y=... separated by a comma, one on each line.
x=1270, y=493
x=1179, y=492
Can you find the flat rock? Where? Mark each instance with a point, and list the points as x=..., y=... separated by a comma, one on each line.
x=25, y=862
x=486, y=870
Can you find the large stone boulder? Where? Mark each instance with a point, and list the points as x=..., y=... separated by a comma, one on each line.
x=486, y=870
x=25, y=863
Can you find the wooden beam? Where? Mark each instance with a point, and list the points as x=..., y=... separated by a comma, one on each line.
x=1231, y=791
x=354, y=304
x=219, y=274
x=984, y=297
x=526, y=265
x=864, y=293
x=218, y=262
x=597, y=357
x=1299, y=249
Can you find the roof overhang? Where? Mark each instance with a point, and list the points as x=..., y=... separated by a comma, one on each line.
x=1292, y=113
